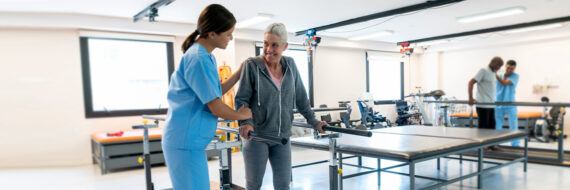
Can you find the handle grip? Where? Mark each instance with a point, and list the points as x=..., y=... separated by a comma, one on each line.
x=271, y=139
x=363, y=133
x=257, y=137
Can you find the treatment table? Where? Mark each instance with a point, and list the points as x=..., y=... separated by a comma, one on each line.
x=414, y=144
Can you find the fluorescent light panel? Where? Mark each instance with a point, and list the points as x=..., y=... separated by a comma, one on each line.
x=255, y=20
x=491, y=14
x=373, y=35
x=533, y=28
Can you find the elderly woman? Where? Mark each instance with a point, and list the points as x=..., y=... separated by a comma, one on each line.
x=271, y=86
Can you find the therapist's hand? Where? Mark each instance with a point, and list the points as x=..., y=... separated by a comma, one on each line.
x=244, y=112
x=238, y=72
x=244, y=131
x=320, y=126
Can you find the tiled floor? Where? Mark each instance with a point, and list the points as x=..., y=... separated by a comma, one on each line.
x=315, y=177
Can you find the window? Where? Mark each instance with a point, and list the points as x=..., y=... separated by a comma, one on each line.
x=124, y=77
x=384, y=73
x=302, y=61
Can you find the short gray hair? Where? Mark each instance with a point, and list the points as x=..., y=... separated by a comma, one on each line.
x=279, y=30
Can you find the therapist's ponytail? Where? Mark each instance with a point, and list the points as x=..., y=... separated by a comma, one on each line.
x=214, y=18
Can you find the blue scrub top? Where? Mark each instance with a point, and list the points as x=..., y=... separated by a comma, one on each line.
x=507, y=93
x=189, y=123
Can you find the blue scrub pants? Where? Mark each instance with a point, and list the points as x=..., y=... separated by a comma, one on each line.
x=512, y=116
x=188, y=169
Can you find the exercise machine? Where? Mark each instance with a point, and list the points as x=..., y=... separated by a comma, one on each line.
x=223, y=146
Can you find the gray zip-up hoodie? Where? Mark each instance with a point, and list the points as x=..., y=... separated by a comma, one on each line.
x=272, y=108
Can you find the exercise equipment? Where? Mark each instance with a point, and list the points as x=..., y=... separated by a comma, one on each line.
x=419, y=98
x=334, y=171
x=369, y=118
x=548, y=127
x=538, y=155
x=145, y=159
x=413, y=144
x=223, y=146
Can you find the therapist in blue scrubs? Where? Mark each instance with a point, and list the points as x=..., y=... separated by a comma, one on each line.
x=195, y=101
x=506, y=86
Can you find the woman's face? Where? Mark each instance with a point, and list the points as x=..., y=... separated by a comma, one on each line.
x=273, y=48
x=221, y=40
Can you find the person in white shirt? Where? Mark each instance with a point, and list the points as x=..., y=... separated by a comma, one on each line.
x=486, y=92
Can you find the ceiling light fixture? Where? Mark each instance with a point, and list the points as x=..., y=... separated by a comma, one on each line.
x=261, y=17
x=491, y=14
x=533, y=28
x=374, y=35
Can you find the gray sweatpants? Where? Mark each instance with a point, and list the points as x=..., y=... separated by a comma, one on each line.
x=255, y=155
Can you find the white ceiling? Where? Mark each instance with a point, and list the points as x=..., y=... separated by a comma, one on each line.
x=304, y=14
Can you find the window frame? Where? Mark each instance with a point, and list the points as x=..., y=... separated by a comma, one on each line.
x=368, y=77
x=258, y=49
x=86, y=75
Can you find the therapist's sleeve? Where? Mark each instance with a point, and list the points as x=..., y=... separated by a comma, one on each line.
x=202, y=78
x=515, y=80
x=244, y=95
x=301, y=99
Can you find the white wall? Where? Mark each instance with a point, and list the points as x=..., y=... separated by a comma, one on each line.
x=339, y=75
x=41, y=98
x=543, y=61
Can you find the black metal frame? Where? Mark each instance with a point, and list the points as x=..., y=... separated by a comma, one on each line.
x=560, y=159
x=87, y=90
x=407, y=9
x=441, y=182
x=494, y=29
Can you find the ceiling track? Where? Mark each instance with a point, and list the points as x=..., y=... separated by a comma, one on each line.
x=412, y=8
x=489, y=30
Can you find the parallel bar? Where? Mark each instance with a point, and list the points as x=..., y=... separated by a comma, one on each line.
x=412, y=8
x=159, y=118
x=323, y=109
x=337, y=129
x=385, y=102
x=537, y=104
x=257, y=137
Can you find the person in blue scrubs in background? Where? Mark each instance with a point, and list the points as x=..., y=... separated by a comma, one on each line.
x=195, y=101
x=506, y=86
